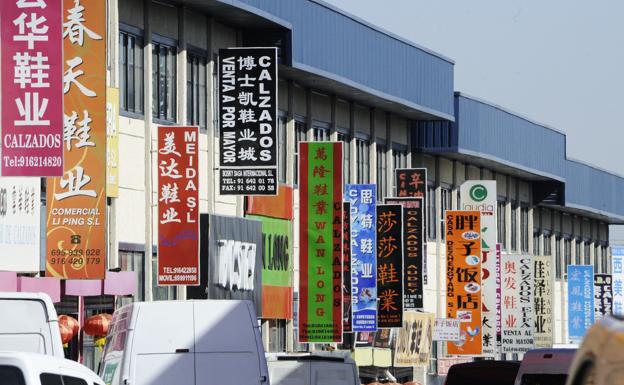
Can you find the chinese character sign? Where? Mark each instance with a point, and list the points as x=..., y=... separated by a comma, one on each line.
x=414, y=339
x=248, y=121
x=543, y=301
x=112, y=142
x=413, y=250
x=76, y=238
x=363, y=198
x=320, y=242
x=178, y=210
x=480, y=195
x=346, y=267
x=580, y=300
x=517, y=303
x=602, y=295
x=617, y=271
x=463, y=279
x=390, y=266
x=446, y=329
x=20, y=224
x=32, y=80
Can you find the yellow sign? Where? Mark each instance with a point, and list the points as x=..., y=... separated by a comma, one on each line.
x=112, y=142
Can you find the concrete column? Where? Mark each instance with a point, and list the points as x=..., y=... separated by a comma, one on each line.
x=309, y=129
x=353, y=163
x=147, y=107
x=333, y=134
x=530, y=229
x=290, y=136
x=372, y=175
x=389, y=162
x=563, y=292
x=508, y=214
x=211, y=119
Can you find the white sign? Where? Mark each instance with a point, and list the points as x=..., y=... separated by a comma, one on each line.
x=20, y=224
x=446, y=329
x=543, y=301
x=517, y=304
x=480, y=195
x=618, y=280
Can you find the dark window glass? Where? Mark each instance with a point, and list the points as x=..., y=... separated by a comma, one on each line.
x=399, y=158
x=578, y=258
x=586, y=253
x=547, y=247
x=524, y=229
x=164, y=82
x=68, y=380
x=567, y=256
x=514, y=227
x=382, y=172
x=501, y=219
x=196, y=91
x=321, y=134
x=10, y=375
x=536, y=242
x=363, y=160
x=282, y=149
x=445, y=200
x=346, y=152
x=130, y=73
x=300, y=136
x=50, y=379
x=277, y=335
x=432, y=218
x=558, y=260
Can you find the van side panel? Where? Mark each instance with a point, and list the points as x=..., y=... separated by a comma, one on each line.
x=163, y=327
x=164, y=369
x=289, y=372
x=227, y=368
x=24, y=327
x=332, y=373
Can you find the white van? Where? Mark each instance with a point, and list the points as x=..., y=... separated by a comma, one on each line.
x=319, y=368
x=18, y=368
x=185, y=343
x=29, y=324
x=545, y=367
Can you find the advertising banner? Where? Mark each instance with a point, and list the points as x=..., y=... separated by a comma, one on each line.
x=20, y=224
x=248, y=121
x=364, y=339
x=463, y=279
x=446, y=329
x=602, y=295
x=363, y=200
x=580, y=301
x=517, y=312
x=231, y=259
x=390, y=266
x=112, y=142
x=499, y=298
x=480, y=195
x=543, y=297
x=277, y=267
x=617, y=271
x=320, y=241
x=32, y=80
x=279, y=206
x=346, y=267
x=383, y=338
x=412, y=182
x=413, y=250
x=76, y=237
x=178, y=210
x=414, y=339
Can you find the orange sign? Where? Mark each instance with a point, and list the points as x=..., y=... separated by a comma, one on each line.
x=76, y=223
x=463, y=279
x=278, y=206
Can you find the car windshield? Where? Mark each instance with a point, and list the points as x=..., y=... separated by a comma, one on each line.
x=543, y=379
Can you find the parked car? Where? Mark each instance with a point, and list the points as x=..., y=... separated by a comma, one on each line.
x=545, y=367
x=185, y=343
x=29, y=324
x=319, y=368
x=19, y=368
x=600, y=359
x=488, y=372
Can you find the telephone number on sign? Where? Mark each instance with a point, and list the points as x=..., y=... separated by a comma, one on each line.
x=75, y=252
x=74, y=261
x=33, y=161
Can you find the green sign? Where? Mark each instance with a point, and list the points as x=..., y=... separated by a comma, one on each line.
x=277, y=256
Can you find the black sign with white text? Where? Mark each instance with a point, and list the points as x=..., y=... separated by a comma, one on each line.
x=248, y=121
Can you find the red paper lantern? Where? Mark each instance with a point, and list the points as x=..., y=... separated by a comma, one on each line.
x=97, y=325
x=70, y=322
x=66, y=333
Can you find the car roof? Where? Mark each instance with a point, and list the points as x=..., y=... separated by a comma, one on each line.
x=487, y=372
x=315, y=356
x=46, y=363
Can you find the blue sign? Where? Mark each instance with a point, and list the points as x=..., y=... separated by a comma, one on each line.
x=363, y=198
x=617, y=270
x=580, y=300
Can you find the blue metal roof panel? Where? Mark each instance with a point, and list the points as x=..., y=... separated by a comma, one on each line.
x=333, y=42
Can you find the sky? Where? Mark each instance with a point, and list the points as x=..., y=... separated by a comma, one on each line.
x=557, y=62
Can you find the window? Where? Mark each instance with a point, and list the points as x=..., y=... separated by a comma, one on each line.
x=547, y=247
x=597, y=261
x=577, y=253
x=445, y=200
x=501, y=219
x=363, y=160
x=10, y=375
x=130, y=72
x=514, y=227
x=300, y=136
x=346, y=152
x=586, y=253
x=281, y=148
x=606, y=260
x=567, y=256
x=164, y=82
x=558, y=261
x=321, y=133
x=536, y=242
x=277, y=335
x=133, y=261
x=196, y=91
x=382, y=171
x=160, y=292
x=399, y=156
x=524, y=229
x=432, y=224
x=56, y=379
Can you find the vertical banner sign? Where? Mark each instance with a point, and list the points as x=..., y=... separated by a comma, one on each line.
x=32, y=79
x=363, y=198
x=414, y=339
x=480, y=196
x=248, y=121
x=463, y=279
x=20, y=224
x=178, y=210
x=412, y=182
x=499, y=298
x=543, y=300
x=517, y=312
x=320, y=242
x=602, y=295
x=76, y=238
x=580, y=301
x=617, y=270
x=112, y=142
x=413, y=250
x=390, y=266
x=346, y=267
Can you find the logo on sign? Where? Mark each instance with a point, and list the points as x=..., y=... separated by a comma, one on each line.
x=478, y=193
x=470, y=235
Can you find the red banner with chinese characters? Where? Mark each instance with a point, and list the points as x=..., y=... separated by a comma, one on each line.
x=76, y=223
x=178, y=210
x=463, y=279
x=32, y=76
